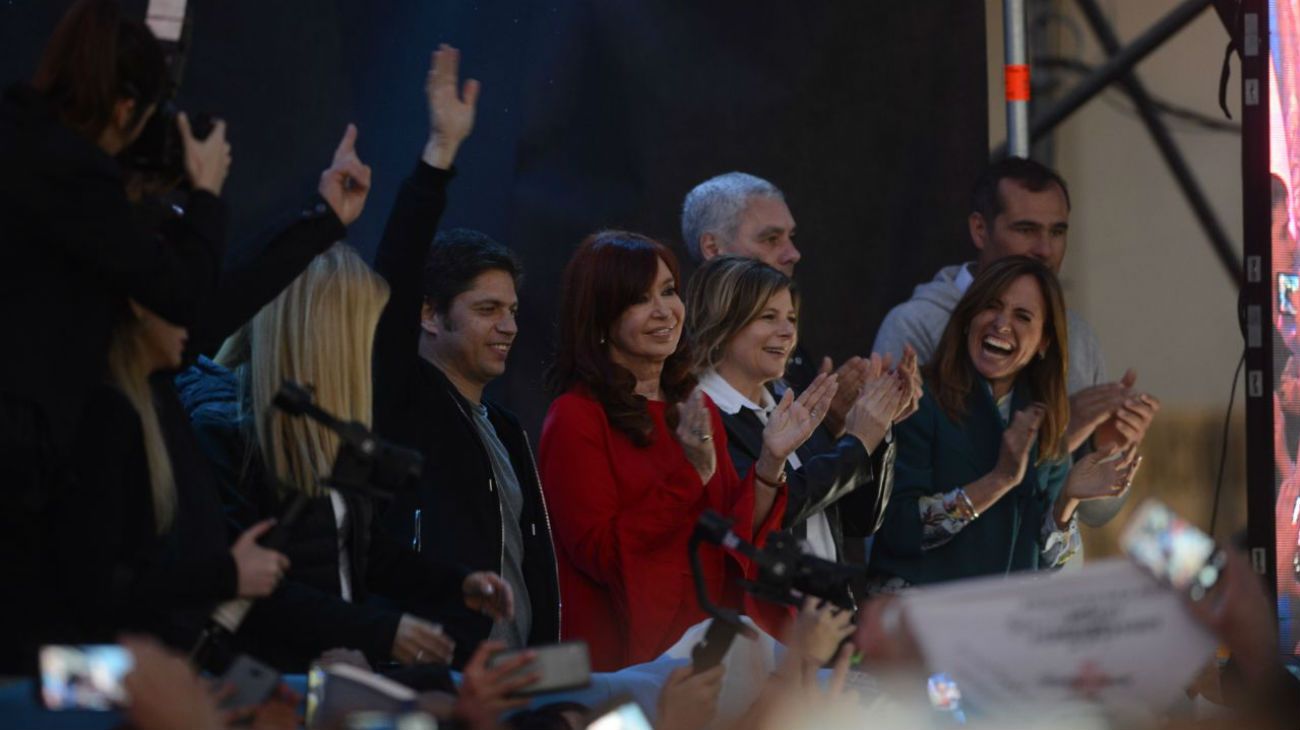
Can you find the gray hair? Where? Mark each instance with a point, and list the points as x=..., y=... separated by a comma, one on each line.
x=714, y=206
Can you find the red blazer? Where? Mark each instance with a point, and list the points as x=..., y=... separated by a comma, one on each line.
x=622, y=516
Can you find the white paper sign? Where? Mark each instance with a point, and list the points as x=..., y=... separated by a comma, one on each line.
x=1108, y=634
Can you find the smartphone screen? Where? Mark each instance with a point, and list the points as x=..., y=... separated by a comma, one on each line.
x=84, y=677
x=1172, y=548
x=627, y=716
x=558, y=667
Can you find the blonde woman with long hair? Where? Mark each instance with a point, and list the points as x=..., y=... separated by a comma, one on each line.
x=137, y=548
x=319, y=331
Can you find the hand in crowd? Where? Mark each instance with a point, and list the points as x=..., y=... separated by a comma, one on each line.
x=794, y=693
x=1017, y=441
x=689, y=701
x=420, y=642
x=259, y=568
x=1110, y=413
x=1089, y=408
x=852, y=375
x=909, y=371
x=883, y=397
x=795, y=419
x=884, y=637
x=345, y=184
x=488, y=593
x=1102, y=474
x=451, y=108
x=1129, y=423
x=1240, y=614
x=207, y=161
x=695, y=434
x=165, y=692
x=486, y=692
x=1099, y=475
x=821, y=628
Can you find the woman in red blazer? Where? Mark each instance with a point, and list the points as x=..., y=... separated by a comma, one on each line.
x=631, y=455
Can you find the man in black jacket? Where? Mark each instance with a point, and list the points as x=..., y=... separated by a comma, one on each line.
x=443, y=337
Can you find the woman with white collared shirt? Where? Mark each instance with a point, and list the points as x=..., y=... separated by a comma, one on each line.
x=742, y=317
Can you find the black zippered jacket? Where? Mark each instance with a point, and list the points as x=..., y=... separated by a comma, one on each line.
x=415, y=404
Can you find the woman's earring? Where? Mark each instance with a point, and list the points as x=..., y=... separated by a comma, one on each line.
x=1042, y=354
x=602, y=339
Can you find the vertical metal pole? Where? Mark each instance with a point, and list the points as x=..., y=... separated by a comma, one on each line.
x=1016, y=76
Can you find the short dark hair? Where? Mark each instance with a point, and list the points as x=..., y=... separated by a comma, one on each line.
x=456, y=259
x=1033, y=176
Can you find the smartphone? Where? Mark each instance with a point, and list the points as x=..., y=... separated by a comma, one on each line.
x=625, y=715
x=561, y=666
x=1172, y=549
x=1287, y=286
x=253, y=682
x=87, y=677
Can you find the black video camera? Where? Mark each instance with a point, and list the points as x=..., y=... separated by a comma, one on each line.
x=786, y=575
x=158, y=155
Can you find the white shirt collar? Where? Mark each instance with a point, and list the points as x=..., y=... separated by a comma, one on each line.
x=964, y=277
x=728, y=399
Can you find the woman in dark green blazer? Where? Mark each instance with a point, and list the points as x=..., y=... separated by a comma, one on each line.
x=983, y=483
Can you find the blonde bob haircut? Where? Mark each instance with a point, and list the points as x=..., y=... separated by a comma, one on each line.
x=724, y=295
x=320, y=331
x=129, y=370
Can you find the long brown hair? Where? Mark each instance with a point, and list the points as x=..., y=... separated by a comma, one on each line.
x=725, y=295
x=95, y=57
x=611, y=271
x=952, y=374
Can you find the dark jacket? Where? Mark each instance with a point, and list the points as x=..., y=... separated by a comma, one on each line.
x=115, y=572
x=937, y=455
x=416, y=405
x=307, y=615
x=835, y=477
x=70, y=253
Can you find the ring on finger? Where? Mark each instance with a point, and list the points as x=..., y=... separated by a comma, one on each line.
x=419, y=655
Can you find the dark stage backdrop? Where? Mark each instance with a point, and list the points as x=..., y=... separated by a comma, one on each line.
x=872, y=116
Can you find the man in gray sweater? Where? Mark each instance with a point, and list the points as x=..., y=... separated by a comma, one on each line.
x=1022, y=208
